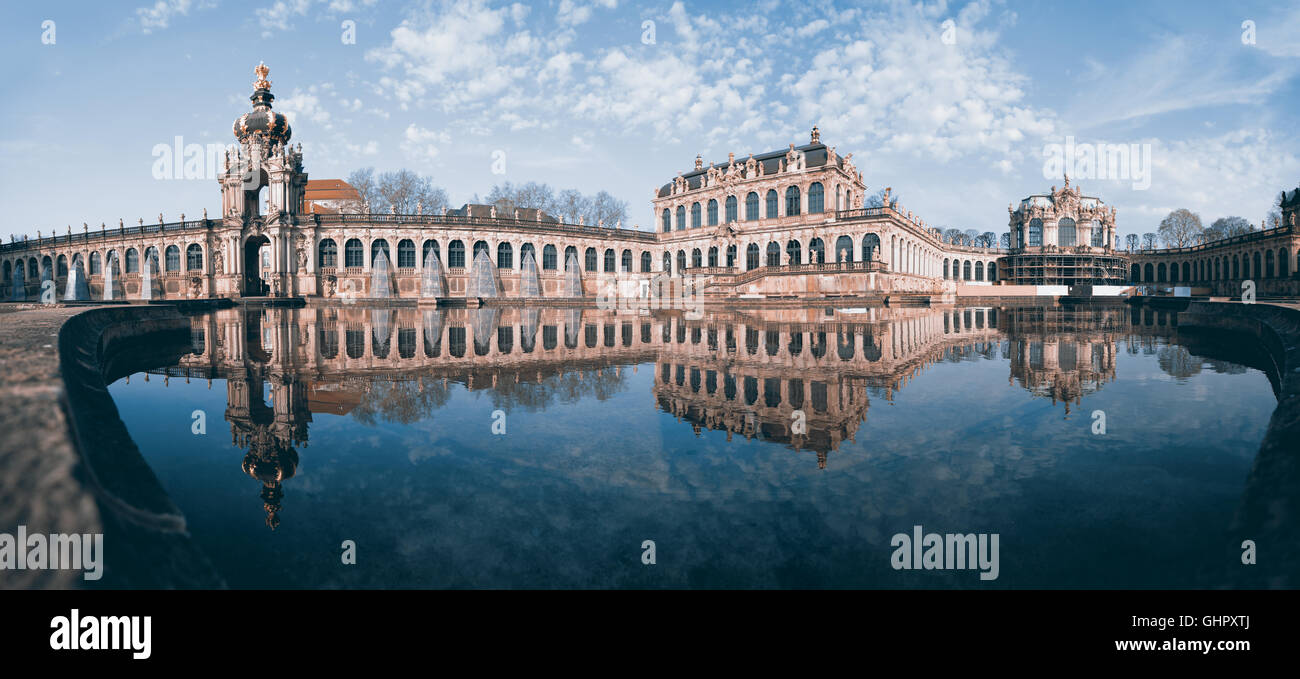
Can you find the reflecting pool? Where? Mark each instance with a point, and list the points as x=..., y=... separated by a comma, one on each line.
x=543, y=447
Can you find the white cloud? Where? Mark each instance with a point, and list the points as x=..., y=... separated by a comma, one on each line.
x=813, y=28
x=422, y=143
x=160, y=14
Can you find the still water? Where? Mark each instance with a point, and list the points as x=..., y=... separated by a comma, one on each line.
x=509, y=447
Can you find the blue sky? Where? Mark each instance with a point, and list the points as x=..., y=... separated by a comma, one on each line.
x=954, y=117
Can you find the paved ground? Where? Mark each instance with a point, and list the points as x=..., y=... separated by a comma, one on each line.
x=39, y=484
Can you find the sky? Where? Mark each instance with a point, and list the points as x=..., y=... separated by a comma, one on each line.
x=960, y=107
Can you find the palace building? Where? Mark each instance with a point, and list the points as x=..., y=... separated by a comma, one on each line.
x=784, y=224
x=1063, y=238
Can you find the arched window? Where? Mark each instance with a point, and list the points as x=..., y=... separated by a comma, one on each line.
x=696, y=215
x=773, y=254
x=1187, y=271
x=173, y=258
x=132, y=261
x=505, y=256
x=406, y=253
x=610, y=261
x=570, y=252
x=548, y=258
x=1160, y=273
x=681, y=261
x=751, y=206
x=681, y=217
x=327, y=253
x=646, y=261
x=668, y=221
x=816, y=199
x=993, y=271
x=1035, y=232
x=697, y=258
x=816, y=251
x=1283, y=263
x=456, y=255
x=713, y=255
x=792, y=253
x=771, y=204
x=1216, y=267
x=751, y=256
x=870, y=247
x=377, y=246
x=1268, y=264
x=945, y=268
x=668, y=263
x=713, y=212
x=1098, y=235
x=1236, y=267
x=1133, y=274
x=590, y=262
x=731, y=256
x=33, y=270
x=626, y=261
x=354, y=254
x=792, y=201
x=1148, y=273
x=1257, y=268
x=193, y=257
x=979, y=271
x=430, y=249
x=479, y=246
x=524, y=251
x=965, y=270
x=732, y=206
x=843, y=244
x=1065, y=233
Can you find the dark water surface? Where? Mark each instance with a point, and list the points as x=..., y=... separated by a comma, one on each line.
x=377, y=426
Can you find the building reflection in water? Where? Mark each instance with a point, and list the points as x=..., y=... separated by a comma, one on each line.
x=743, y=373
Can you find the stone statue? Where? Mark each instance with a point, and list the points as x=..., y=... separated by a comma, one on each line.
x=218, y=262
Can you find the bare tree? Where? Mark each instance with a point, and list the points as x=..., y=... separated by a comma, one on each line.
x=1005, y=240
x=970, y=236
x=989, y=239
x=606, y=209
x=571, y=205
x=1181, y=228
x=1131, y=241
x=1149, y=241
x=363, y=180
x=1227, y=227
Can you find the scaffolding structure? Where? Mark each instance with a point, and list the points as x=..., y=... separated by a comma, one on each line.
x=1057, y=268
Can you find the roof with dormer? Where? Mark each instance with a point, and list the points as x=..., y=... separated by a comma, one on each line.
x=815, y=155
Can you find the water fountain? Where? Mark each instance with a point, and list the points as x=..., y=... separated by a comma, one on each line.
x=572, y=276
x=432, y=331
x=76, y=289
x=530, y=283
x=482, y=277
x=381, y=277
x=381, y=331
x=19, y=280
x=112, y=279
x=150, y=288
x=484, y=321
x=572, y=326
x=433, y=284
x=47, y=274
x=529, y=319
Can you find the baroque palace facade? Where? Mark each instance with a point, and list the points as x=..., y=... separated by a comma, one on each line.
x=785, y=224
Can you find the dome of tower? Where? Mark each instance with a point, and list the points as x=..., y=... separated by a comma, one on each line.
x=262, y=121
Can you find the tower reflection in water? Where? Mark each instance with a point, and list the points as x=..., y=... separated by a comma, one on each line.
x=801, y=378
